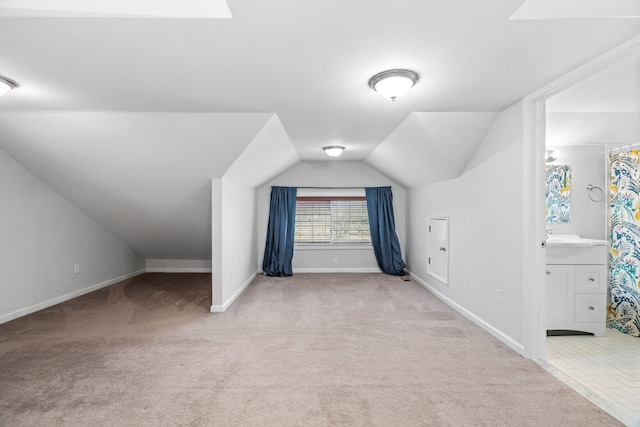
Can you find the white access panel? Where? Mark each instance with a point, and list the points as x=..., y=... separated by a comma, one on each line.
x=438, y=261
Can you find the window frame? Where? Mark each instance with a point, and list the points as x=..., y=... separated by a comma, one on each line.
x=333, y=244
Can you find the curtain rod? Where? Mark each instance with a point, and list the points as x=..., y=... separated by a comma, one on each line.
x=332, y=188
x=623, y=147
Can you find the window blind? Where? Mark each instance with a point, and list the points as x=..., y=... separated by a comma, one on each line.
x=332, y=220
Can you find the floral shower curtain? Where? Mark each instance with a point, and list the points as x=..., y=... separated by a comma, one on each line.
x=624, y=311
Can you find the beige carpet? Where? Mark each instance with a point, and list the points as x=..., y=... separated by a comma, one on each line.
x=312, y=350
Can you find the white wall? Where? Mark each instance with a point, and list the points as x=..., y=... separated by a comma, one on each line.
x=588, y=167
x=234, y=241
x=43, y=237
x=217, y=301
x=331, y=174
x=485, y=206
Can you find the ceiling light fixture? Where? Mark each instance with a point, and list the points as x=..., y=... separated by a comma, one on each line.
x=551, y=156
x=6, y=85
x=333, y=150
x=393, y=84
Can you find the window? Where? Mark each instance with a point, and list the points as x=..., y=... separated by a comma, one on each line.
x=332, y=221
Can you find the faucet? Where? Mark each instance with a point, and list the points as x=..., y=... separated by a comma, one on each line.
x=548, y=232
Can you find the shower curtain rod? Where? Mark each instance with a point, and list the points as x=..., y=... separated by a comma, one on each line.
x=623, y=147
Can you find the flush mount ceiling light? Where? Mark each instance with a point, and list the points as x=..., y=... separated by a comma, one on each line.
x=333, y=150
x=6, y=85
x=393, y=84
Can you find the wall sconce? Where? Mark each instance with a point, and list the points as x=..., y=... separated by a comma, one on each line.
x=551, y=156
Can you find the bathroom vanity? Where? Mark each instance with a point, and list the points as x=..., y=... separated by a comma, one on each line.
x=576, y=284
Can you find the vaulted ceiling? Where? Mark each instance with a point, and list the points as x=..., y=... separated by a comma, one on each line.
x=129, y=113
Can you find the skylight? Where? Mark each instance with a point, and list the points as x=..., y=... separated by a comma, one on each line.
x=210, y=9
x=577, y=9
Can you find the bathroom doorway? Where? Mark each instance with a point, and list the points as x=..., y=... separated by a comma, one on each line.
x=581, y=113
x=534, y=108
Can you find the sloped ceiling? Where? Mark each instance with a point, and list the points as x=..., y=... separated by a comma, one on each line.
x=431, y=147
x=131, y=118
x=270, y=153
x=144, y=176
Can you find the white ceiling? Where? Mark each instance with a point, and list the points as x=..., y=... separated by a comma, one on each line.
x=616, y=89
x=131, y=118
x=602, y=109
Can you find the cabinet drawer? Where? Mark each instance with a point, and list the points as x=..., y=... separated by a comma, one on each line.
x=591, y=279
x=590, y=307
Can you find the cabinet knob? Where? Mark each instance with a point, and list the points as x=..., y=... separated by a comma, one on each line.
x=591, y=307
x=591, y=279
x=548, y=272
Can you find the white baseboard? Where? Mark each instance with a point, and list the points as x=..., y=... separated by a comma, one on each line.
x=514, y=345
x=337, y=270
x=57, y=300
x=222, y=308
x=177, y=270
x=178, y=266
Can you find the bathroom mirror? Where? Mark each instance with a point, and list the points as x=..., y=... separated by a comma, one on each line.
x=558, y=193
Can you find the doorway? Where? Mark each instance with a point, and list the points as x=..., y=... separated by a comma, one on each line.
x=534, y=125
x=537, y=128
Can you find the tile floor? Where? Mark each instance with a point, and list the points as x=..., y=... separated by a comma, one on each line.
x=606, y=370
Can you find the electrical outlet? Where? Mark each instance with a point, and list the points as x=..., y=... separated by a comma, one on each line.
x=76, y=269
x=499, y=295
x=335, y=261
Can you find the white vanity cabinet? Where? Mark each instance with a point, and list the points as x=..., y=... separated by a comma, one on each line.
x=576, y=288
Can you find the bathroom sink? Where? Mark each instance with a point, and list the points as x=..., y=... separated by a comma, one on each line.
x=573, y=240
x=573, y=249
